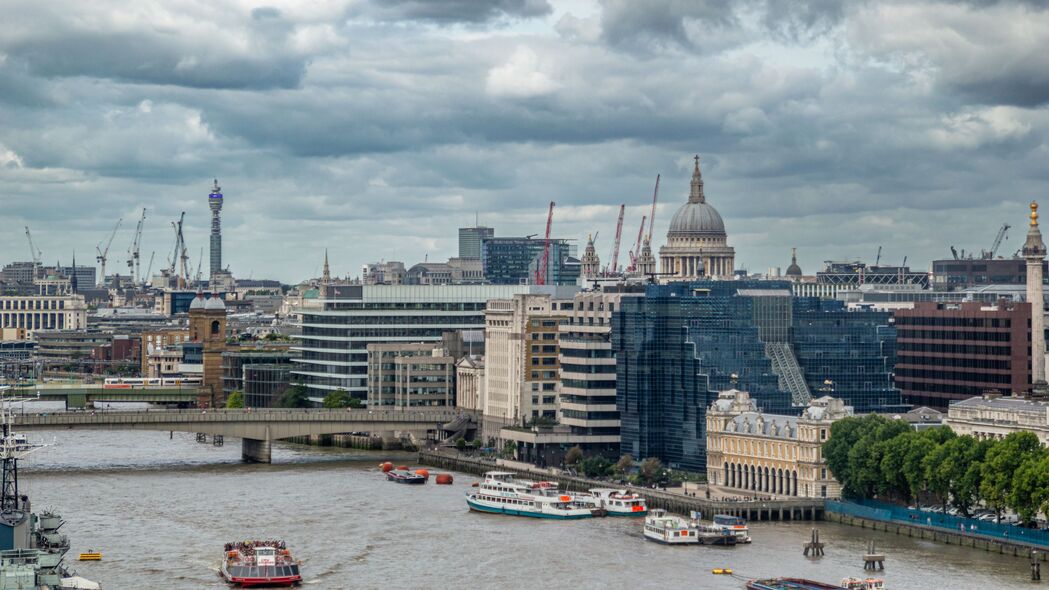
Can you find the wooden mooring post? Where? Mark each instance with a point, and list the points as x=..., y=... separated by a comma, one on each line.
x=1036, y=567
x=814, y=547
x=873, y=561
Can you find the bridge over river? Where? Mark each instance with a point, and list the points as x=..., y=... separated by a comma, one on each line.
x=257, y=428
x=82, y=395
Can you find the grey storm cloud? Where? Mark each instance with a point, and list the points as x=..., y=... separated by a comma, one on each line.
x=467, y=11
x=375, y=128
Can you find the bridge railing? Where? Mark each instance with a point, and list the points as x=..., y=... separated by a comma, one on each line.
x=238, y=415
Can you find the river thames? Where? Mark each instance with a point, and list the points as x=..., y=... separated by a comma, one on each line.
x=160, y=510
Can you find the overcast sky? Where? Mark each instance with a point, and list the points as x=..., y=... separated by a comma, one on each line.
x=375, y=128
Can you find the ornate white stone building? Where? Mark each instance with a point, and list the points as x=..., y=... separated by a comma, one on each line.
x=773, y=454
x=993, y=417
x=697, y=245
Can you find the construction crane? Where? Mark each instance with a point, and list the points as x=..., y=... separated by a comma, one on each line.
x=615, y=246
x=998, y=240
x=636, y=251
x=652, y=217
x=200, y=264
x=540, y=273
x=133, y=266
x=877, y=259
x=179, y=258
x=103, y=253
x=149, y=269
x=36, y=254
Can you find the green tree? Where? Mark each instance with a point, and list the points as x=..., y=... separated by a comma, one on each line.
x=574, y=455
x=596, y=466
x=339, y=398
x=1030, y=487
x=946, y=469
x=920, y=446
x=894, y=482
x=235, y=400
x=1002, y=461
x=651, y=470
x=625, y=464
x=460, y=443
x=294, y=397
x=509, y=449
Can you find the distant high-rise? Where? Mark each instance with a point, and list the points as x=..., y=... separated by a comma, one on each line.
x=470, y=239
x=215, y=202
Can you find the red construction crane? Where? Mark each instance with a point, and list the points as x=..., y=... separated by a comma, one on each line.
x=615, y=247
x=635, y=253
x=652, y=218
x=540, y=273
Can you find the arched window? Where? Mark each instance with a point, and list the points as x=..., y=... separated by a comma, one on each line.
x=215, y=327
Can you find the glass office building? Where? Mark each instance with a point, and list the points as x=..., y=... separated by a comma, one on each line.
x=682, y=343
x=513, y=261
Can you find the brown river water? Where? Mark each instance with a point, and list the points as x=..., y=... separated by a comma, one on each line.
x=160, y=509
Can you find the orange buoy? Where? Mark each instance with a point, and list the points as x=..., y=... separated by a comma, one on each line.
x=386, y=467
x=402, y=468
x=444, y=479
x=423, y=473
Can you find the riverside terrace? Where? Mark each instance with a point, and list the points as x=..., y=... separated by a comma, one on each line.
x=257, y=428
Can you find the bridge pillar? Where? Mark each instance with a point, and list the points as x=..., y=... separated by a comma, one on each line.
x=255, y=451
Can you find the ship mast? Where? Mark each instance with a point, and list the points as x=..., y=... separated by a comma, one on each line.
x=12, y=448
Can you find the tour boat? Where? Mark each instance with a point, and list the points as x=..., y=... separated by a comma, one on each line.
x=858, y=584
x=669, y=529
x=789, y=584
x=405, y=476
x=250, y=564
x=501, y=493
x=619, y=502
x=736, y=525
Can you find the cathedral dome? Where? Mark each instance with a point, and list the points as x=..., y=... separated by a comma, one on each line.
x=214, y=302
x=696, y=217
x=793, y=270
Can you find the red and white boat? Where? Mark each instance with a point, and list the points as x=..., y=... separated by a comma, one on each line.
x=620, y=502
x=254, y=564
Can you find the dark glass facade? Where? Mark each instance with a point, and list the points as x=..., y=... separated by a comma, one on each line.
x=513, y=261
x=682, y=343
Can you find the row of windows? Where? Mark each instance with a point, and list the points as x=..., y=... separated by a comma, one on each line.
x=381, y=320
x=32, y=304
x=954, y=322
x=956, y=363
x=973, y=349
x=955, y=335
x=592, y=400
x=977, y=377
x=579, y=415
x=588, y=369
x=581, y=384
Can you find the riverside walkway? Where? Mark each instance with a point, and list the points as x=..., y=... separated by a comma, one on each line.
x=256, y=427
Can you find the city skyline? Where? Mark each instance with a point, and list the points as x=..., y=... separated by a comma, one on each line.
x=375, y=130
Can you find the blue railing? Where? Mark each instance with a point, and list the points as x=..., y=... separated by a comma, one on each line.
x=874, y=510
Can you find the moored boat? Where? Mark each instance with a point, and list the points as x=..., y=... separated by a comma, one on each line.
x=669, y=529
x=789, y=584
x=620, y=502
x=405, y=476
x=252, y=564
x=502, y=493
x=863, y=584
x=735, y=525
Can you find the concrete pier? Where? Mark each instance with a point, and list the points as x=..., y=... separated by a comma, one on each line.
x=255, y=451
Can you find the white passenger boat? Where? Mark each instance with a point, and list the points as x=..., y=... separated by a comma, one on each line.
x=619, y=502
x=502, y=493
x=667, y=528
x=867, y=584
x=736, y=525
